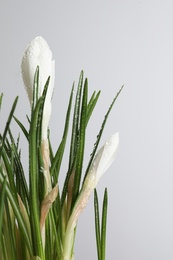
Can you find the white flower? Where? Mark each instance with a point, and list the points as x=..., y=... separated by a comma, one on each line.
x=103, y=159
x=39, y=54
x=101, y=163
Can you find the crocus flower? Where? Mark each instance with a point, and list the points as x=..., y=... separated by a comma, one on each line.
x=39, y=54
x=101, y=163
x=99, y=166
x=103, y=159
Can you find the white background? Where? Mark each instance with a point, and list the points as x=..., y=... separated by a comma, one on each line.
x=115, y=42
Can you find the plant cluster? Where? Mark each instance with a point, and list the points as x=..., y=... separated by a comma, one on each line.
x=38, y=220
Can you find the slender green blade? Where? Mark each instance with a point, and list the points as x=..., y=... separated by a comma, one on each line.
x=33, y=181
x=18, y=172
x=25, y=132
x=58, y=244
x=1, y=96
x=76, y=121
x=104, y=222
x=8, y=124
x=97, y=224
x=10, y=232
x=40, y=115
x=56, y=163
x=81, y=143
x=48, y=235
x=4, y=249
x=34, y=146
x=2, y=200
x=35, y=88
x=8, y=162
x=91, y=105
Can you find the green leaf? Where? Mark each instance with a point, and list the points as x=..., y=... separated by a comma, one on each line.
x=2, y=200
x=40, y=115
x=25, y=132
x=101, y=230
x=56, y=163
x=81, y=143
x=8, y=124
x=91, y=105
x=104, y=222
x=58, y=248
x=34, y=146
x=76, y=121
x=35, y=88
x=33, y=180
x=1, y=96
x=8, y=162
x=4, y=249
x=10, y=236
x=97, y=224
x=18, y=172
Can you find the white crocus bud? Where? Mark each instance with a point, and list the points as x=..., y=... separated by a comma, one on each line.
x=39, y=54
x=100, y=164
x=102, y=161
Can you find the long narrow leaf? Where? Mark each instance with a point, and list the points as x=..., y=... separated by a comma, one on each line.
x=91, y=105
x=75, y=121
x=25, y=132
x=33, y=180
x=9, y=170
x=2, y=199
x=8, y=124
x=4, y=249
x=97, y=224
x=34, y=146
x=104, y=222
x=81, y=143
x=35, y=88
x=59, y=154
x=56, y=236
x=19, y=171
x=10, y=232
x=1, y=96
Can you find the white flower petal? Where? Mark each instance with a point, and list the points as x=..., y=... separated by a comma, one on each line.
x=104, y=157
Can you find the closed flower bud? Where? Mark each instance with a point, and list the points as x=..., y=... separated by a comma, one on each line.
x=103, y=159
x=101, y=163
x=39, y=54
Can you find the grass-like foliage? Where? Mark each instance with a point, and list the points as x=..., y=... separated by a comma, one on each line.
x=38, y=220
